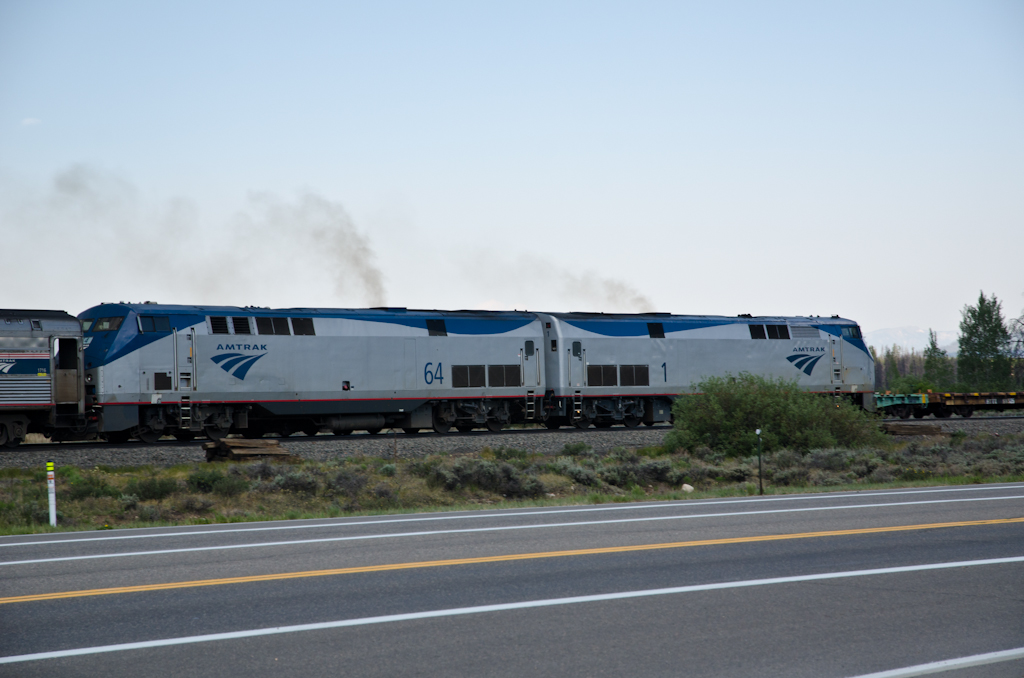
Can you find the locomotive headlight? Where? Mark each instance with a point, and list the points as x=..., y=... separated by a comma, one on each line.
x=88, y=378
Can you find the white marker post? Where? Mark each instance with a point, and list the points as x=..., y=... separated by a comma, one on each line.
x=51, y=487
x=760, y=475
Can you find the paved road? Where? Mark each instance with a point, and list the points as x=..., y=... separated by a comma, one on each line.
x=806, y=585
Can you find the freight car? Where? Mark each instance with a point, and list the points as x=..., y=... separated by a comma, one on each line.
x=153, y=370
x=41, y=379
x=943, y=405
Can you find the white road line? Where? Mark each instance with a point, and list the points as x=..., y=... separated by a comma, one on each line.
x=949, y=664
x=509, y=513
x=551, y=602
x=503, y=528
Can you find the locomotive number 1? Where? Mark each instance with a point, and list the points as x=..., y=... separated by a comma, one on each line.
x=430, y=375
x=664, y=367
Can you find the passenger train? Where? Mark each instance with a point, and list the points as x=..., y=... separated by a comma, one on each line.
x=147, y=370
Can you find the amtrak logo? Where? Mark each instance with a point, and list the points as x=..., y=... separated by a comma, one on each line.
x=236, y=364
x=5, y=367
x=804, y=362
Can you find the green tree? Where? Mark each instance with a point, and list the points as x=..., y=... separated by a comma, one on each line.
x=938, y=366
x=725, y=412
x=984, y=362
x=892, y=368
x=1017, y=351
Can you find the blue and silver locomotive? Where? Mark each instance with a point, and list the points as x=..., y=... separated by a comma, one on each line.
x=153, y=370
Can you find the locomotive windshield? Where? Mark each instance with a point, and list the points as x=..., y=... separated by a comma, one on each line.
x=102, y=325
x=852, y=332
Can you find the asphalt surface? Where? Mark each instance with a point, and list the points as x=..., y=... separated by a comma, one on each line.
x=412, y=607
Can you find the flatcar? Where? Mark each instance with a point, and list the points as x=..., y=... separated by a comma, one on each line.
x=153, y=370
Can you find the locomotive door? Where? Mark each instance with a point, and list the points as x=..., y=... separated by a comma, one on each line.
x=184, y=357
x=836, y=350
x=529, y=359
x=576, y=367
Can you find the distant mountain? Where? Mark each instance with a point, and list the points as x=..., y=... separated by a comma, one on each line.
x=911, y=338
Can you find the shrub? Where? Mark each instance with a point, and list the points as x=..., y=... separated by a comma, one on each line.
x=388, y=470
x=299, y=482
x=128, y=501
x=785, y=459
x=230, y=485
x=726, y=411
x=193, y=504
x=792, y=476
x=383, y=492
x=151, y=488
x=510, y=454
x=486, y=475
x=631, y=472
x=203, y=479
x=583, y=476
x=827, y=460
x=262, y=470
x=349, y=482
x=577, y=450
x=91, y=486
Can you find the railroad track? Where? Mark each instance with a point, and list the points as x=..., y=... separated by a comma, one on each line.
x=932, y=420
x=134, y=444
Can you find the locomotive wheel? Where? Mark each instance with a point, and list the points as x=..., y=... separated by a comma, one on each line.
x=649, y=423
x=581, y=423
x=553, y=424
x=905, y=413
x=311, y=430
x=3, y=435
x=441, y=427
x=215, y=433
x=12, y=442
x=411, y=431
x=631, y=422
x=919, y=414
x=493, y=425
x=343, y=432
x=117, y=437
x=184, y=436
x=464, y=428
x=147, y=435
x=374, y=431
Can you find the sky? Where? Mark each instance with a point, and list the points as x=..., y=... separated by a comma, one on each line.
x=864, y=159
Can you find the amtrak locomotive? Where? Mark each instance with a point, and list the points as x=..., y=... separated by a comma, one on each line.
x=151, y=370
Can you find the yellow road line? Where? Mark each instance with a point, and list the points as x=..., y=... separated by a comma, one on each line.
x=492, y=559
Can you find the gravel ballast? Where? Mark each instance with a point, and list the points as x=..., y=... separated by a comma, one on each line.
x=405, y=446
x=325, y=447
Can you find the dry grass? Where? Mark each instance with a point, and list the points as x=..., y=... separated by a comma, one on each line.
x=268, y=490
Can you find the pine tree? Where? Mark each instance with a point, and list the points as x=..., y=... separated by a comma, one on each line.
x=938, y=366
x=984, y=361
x=892, y=368
x=1017, y=351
